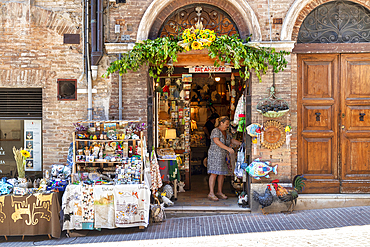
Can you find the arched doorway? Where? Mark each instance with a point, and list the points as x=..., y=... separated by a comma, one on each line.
x=333, y=98
x=202, y=102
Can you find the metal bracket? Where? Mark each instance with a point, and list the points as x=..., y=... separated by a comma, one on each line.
x=362, y=116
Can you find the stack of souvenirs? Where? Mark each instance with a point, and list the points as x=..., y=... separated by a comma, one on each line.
x=55, y=181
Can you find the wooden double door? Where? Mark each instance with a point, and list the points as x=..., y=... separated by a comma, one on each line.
x=334, y=122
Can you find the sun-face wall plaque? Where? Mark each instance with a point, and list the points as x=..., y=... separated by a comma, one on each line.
x=273, y=137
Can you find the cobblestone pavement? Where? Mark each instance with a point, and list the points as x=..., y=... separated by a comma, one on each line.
x=324, y=227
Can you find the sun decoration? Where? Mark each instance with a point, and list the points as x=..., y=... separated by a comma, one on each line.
x=25, y=153
x=197, y=37
x=273, y=134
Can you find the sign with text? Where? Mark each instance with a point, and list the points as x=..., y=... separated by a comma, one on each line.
x=32, y=143
x=210, y=69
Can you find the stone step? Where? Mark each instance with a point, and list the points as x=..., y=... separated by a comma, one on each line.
x=320, y=201
x=183, y=209
x=317, y=201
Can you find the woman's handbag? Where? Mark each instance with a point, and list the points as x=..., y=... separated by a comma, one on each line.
x=157, y=213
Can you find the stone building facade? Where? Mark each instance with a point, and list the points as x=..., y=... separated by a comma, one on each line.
x=33, y=55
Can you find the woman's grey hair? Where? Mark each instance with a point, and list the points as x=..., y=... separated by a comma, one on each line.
x=222, y=119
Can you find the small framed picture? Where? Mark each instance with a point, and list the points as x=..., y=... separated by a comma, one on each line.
x=187, y=78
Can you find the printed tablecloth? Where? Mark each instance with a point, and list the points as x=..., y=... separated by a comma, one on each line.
x=110, y=206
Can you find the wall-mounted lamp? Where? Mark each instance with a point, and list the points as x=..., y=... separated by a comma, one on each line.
x=217, y=79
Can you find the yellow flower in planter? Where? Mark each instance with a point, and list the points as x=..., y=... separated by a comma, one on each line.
x=25, y=153
x=196, y=45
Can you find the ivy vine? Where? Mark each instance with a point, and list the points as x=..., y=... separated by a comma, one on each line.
x=229, y=49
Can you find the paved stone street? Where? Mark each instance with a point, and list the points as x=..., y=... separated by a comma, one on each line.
x=324, y=227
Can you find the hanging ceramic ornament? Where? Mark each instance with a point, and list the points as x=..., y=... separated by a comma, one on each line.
x=254, y=129
x=205, y=88
x=288, y=134
x=258, y=130
x=262, y=133
x=232, y=82
x=254, y=145
x=232, y=107
x=178, y=82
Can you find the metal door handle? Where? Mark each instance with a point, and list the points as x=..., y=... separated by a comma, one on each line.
x=343, y=127
x=317, y=116
x=362, y=116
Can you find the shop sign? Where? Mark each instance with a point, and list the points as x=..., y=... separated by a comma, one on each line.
x=32, y=143
x=210, y=69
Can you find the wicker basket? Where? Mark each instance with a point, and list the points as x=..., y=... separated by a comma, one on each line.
x=273, y=114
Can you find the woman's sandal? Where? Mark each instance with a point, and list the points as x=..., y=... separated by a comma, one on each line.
x=212, y=198
x=221, y=196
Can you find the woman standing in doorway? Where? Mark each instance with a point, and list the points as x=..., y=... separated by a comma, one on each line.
x=217, y=166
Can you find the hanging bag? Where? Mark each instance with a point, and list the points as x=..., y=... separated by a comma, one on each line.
x=239, y=161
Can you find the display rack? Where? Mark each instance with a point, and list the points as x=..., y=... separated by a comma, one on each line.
x=104, y=164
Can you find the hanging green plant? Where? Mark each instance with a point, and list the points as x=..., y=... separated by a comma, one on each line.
x=229, y=49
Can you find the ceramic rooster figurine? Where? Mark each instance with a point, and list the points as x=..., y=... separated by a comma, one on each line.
x=265, y=199
x=289, y=194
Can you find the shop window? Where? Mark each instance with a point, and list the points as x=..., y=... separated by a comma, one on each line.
x=20, y=127
x=67, y=89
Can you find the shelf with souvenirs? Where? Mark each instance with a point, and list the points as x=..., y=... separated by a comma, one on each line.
x=174, y=124
x=109, y=188
x=108, y=147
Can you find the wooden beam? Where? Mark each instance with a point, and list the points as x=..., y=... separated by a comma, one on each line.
x=332, y=48
x=195, y=58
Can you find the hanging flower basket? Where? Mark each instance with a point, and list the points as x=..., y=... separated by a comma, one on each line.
x=272, y=107
x=273, y=114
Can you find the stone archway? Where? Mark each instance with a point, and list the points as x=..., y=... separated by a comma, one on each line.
x=159, y=10
x=298, y=12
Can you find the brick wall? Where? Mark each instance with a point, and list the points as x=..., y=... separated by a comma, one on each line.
x=32, y=54
x=286, y=82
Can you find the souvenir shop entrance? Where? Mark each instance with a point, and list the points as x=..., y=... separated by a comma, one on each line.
x=185, y=104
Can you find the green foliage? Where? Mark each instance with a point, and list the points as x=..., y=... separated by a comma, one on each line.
x=228, y=49
x=231, y=49
x=154, y=53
